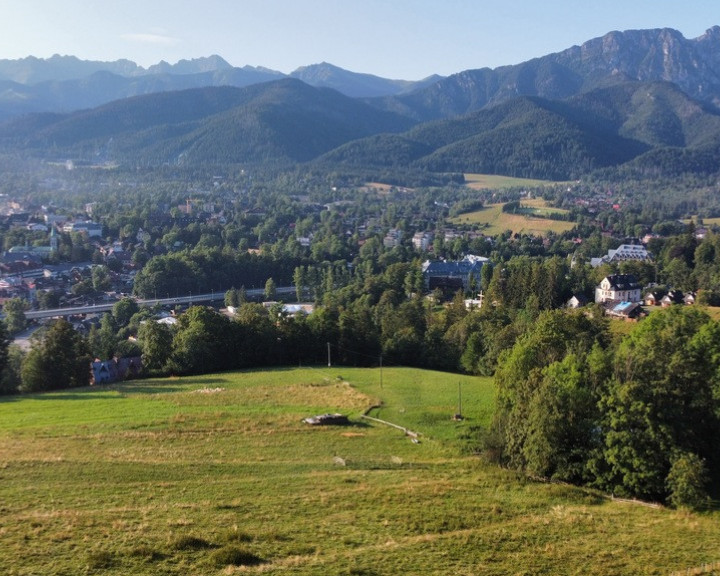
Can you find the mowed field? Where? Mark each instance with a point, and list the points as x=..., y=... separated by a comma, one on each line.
x=218, y=475
x=494, y=181
x=494, y=221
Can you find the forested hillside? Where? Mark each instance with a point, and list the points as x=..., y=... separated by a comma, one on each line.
x=283, y=121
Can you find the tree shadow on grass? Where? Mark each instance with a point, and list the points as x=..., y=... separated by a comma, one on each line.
x=100, y=391
x=188, y=385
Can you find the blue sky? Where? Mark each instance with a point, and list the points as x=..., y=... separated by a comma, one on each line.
x=404, y=39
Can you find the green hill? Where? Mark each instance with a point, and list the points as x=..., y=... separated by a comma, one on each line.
x=190, y=475
x=648, y=127
x=532, y=137
x=281, y=121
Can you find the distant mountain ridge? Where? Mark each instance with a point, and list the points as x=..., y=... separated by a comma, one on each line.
x=650, y=125
x=32, y=70
x=66, y=83
x=354, y=84
x=636, y=55
x=646, y=100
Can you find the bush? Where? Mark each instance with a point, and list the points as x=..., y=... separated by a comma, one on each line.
x=687, y=482
x=234, y=556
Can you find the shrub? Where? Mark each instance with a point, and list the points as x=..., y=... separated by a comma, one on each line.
x=687, y=482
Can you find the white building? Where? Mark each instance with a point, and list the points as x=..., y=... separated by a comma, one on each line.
x=422, y=240
x=619, y=288
x=623, y=252
x=92, y=229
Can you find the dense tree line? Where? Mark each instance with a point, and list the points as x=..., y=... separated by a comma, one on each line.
x=639, y=418
x=200, y=271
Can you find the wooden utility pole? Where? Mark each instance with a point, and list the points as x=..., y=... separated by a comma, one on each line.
x=381, y=379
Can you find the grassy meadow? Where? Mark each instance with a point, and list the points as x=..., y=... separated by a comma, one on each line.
x=218, y=475
x=531, y=221
x=495, y=181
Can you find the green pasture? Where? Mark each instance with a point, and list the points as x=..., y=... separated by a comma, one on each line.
x=218, y=475
x=493, y=220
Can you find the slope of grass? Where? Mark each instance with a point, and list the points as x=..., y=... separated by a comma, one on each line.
x=218, y=475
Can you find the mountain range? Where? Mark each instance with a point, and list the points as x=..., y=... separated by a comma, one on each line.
x=645, y=99
x=66, y=84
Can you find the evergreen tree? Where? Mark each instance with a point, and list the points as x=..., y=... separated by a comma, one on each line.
x=300, y=283
x=270, y=289
x=7, y=384
x=543, y=403
x=231, y=298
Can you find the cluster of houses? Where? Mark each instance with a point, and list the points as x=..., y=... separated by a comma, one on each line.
x=116, y=369
x=423, y=241
x=29, y=282
x=621, y=296
x=25, y=270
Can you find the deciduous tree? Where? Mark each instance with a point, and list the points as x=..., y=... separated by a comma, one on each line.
x=156, y=342
x=58, y=359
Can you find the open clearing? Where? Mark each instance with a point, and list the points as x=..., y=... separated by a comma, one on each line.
x=705, y=221
x=200, y=475
x=530, y=221
x=494, y=181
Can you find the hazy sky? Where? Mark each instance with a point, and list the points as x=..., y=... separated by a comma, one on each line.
x=404, y=39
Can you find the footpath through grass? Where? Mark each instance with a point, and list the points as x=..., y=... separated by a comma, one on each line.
x=218, y=475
